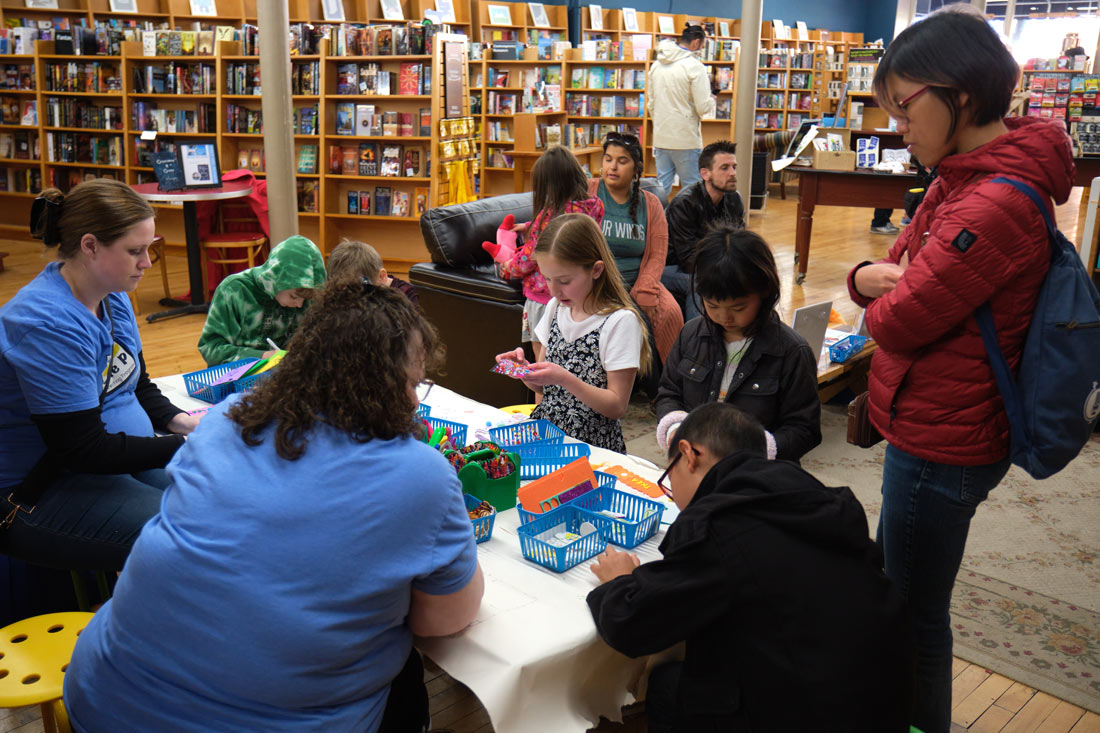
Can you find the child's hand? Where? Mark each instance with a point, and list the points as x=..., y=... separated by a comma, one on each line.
x=543, y=373
x=183, y=424
x=517, y=356
x=613, y=563
x=521, y=228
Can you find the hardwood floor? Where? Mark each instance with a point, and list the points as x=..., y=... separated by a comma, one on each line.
x=983, y=701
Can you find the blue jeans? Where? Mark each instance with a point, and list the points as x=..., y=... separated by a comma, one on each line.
x=678, y=283
x=85, y=521
x=683, y=163
x=926, y=513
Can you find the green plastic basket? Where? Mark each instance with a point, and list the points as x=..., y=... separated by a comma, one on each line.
x=500, y=492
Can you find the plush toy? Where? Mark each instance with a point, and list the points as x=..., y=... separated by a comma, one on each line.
x=505, y=247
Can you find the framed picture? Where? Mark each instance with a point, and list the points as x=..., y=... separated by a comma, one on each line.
x=50, y=4
x=391, y=10
x=124, y=6
x=595, y=17
x=199, y=162
x=803, y=30
x=724, y=29
x=630, y=20
x=446, y=10
x=332, y=9
x=204, y=7
x=538, y=15
x=500, y=15
x=666, y=25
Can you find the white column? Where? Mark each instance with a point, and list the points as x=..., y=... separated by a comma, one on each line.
x=979, y=4
x=907, y=10
x=282, y=194
x=1010, y=17
x=751, y=13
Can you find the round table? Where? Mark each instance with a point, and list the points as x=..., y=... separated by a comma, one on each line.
x=189, y=197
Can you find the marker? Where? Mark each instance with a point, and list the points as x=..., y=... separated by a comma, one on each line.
x=273, y=345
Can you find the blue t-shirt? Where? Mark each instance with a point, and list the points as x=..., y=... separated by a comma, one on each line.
x=54, y=355
x=270, y=594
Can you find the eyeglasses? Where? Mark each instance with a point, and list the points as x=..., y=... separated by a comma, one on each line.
x=422, y=383
x=667, y=490
x=903, y=104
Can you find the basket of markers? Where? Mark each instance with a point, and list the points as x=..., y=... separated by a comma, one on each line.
x=487, y=472
x=527, y=432
x=564, y=537
x=215, y=383
x=846, y=348
x=482, y=515
x=443, y=434
x=423, y=411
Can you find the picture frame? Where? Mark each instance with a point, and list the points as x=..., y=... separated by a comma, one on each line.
x=803, y=30
x=391, y=10
x=204, y=7
x=333, y=10
x=500, y=15
x=595, y=17
x=539, y=18
x=124, y=6
x=630, y=20
x=199, y=162
x=42, y=4
x=666, y=25
x=446, y=9
x=724, y=29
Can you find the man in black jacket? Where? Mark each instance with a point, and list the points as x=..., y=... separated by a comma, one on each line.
x=712, y=200
x=773, y=582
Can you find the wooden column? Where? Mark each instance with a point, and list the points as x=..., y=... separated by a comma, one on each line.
x=751, y=13
x=282, y=193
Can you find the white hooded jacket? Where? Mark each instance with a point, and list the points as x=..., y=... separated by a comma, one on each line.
x=678, y=97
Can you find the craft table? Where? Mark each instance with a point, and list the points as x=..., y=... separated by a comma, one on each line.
x=189, y=198
x=532, y=655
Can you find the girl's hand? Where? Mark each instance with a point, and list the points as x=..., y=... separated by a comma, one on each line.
x=521, y=228
x=183, y=424
x=544, y=373
x=516, y=356
x=874, y=281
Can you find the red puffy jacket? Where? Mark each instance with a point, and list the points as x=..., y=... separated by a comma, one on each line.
x=932, y=391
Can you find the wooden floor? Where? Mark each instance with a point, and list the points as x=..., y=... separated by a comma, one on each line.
x=983, y=701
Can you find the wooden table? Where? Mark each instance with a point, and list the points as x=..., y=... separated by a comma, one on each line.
x=867, y=188
x=189, y=197
x=832, y=378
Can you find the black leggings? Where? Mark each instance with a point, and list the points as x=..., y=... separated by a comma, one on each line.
x=407, y=706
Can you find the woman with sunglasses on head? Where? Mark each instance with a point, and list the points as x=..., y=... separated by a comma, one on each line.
x=81, y=468
x=948, y=80
x=636, y=231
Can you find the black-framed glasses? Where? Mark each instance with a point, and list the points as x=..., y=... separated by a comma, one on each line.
x=667, y=490
x=424, y=382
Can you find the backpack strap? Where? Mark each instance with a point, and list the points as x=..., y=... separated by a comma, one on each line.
x=1032, y=194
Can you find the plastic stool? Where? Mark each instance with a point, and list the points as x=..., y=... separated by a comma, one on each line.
x=518, y=409
x=34, y=654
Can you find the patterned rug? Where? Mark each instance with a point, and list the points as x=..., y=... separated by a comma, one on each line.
x=1027, y=598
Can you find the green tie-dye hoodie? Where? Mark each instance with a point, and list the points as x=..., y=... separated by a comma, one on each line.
x=244, y=313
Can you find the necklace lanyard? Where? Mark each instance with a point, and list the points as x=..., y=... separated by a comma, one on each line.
x=111, y=363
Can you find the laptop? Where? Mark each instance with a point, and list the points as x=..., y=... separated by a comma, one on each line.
x=810, y=322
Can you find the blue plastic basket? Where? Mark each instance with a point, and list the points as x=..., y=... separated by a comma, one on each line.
x=527, y=432
x=604, y=481
x=242, y=385
x=200, y=384
x=846, y=348
x=540, y=459
x=643, y=516
x=423, y=411
x=563, y=519
x=458, y=430
x=483, y=528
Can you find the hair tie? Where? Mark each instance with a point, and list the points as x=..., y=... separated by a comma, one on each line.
x=45, y=216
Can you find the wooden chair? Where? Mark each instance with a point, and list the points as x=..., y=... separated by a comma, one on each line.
x=236, y=239
x=2, y=256
x=156, y=255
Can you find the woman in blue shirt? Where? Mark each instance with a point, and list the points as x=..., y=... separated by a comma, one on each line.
x=77, y=409
x=305, y=537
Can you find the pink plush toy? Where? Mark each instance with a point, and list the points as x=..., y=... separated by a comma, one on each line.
x=505, y=247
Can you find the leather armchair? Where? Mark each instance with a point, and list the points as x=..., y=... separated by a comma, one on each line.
x=478, y=314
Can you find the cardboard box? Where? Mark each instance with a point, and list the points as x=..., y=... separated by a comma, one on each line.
x=828, y=160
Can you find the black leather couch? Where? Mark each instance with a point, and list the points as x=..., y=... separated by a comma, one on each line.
x=478, y=314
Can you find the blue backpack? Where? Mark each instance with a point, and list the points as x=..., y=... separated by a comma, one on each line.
x=1054, y=401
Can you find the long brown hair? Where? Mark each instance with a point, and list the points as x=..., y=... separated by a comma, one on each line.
x=347, y=366
x=102, y=207
x=576, y=239
x=556, y=179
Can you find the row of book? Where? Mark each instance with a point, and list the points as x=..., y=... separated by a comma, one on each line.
x=305, y=120
x=367, y=159
x=633, y=48
x=17, y=76
x=70, y=112
x=83, y=76
x=148, y=116
x=720, y=50
x=21, y=180
x=240, y=119
x=721, y=78
x=366, y=119
x=498, y=131
x=770, y=100
x=368, y=78
x=802, y=80
x=782, y=58
x=305, y=77
x=182, y=43
x=603, y=105
x=18, y=146
x=372, y=40
x=597, y=77
x=81, y=147
x=769, y=120
x=252, y=159
x=384, y=201
x=242, y=78
x=522, y=78
x=765, y=80
x=175, y=78
x=18, y=111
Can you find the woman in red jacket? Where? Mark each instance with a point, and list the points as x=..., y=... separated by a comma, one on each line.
x=948, y=81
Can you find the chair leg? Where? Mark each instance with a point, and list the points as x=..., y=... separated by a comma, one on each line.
x=81, y=592
x=164, y=271
x=101, y=583
x=134, y=302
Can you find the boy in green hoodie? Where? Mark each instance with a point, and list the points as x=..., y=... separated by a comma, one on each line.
x=264, y=302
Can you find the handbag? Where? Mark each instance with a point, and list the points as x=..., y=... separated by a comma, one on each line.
x=860, y=430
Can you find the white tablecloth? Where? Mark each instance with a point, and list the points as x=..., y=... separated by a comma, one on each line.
x=532, y=655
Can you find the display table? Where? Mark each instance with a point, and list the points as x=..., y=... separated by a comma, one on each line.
x=532, y=655
x=189, y=198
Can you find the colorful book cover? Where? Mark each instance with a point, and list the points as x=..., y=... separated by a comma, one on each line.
x=391, y=161
x=345, y=118
x=400, y=203
x=368, y=159
x=307, y=159
x=382, y=200
x=349, y=161
x=409, y=82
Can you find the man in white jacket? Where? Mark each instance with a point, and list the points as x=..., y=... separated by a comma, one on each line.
x=678, y=97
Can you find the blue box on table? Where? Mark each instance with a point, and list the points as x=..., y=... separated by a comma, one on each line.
x=200, y=384
x=533, y=538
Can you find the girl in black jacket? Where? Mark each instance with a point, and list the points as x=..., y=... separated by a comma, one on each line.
x=739, y=351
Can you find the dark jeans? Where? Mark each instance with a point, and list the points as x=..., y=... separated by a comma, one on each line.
x=407, y=705
x=926, y=513
x=84, y=521
x=652, y=381
x=678, y=283
x=882, y=217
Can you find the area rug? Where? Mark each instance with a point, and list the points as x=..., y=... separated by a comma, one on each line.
x=1027, y=598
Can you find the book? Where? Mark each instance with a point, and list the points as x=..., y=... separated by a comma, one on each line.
x=420, y=196
x=307, y=159
x=382, y=200
x=368, y=159
x=364, y=203
x=353, y=202
x=346, y=76
x=409, y=80
x=349, y=161
x=391, y=161
x=256, y=161
x=364, y=116
x=204, y=44
x=400, y=203
x=411, y=162
x=335, y=159
x=345, y=118
x=242, y=158
x=307, y=196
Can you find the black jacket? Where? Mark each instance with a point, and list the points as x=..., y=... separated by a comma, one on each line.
x=689, y=215
x=789, y=622
x=776, y=381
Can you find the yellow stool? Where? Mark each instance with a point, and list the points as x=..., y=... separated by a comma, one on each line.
x=34, y=654
x=518, y=409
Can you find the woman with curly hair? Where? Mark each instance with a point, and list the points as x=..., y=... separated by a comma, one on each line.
x=306, y=535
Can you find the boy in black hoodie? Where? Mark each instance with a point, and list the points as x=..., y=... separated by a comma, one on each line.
x=773, y=582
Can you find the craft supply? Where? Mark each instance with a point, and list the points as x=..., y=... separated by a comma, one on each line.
x=510, y=368
x=480, y=446
x=455, y=459
x=633, y=480
x=542, y=494
x=483, y=509
x=199, y=412
x=233, y=374
x=273, y=345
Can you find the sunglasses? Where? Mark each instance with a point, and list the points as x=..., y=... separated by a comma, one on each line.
x=614, y=137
